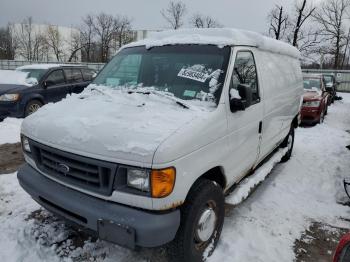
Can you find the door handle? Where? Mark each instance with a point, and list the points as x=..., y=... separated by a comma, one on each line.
x=260, y=127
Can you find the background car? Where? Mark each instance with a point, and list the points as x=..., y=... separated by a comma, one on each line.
x=331, y=86
x=49, y=83
x=315, y=99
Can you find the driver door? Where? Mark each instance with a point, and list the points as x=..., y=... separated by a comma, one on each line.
x=56, y=87
x=244, y=126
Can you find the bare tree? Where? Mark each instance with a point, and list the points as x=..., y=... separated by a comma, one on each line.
x=75, y=46
x=278, y=20
x=88, y=36
x=55, y=41
x=124, y=33
x=303, y=12
x=331, y=17
x=174, y=14
x=7, y=43
x=29, y=39
x=106, y=27
x=202, y=21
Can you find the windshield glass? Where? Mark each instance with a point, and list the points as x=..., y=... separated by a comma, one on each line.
x=328, y=79
x=312, y=84
x=187, y=72
x=34, y=73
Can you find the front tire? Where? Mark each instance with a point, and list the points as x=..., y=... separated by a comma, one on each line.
x=31, y=107
x=202, y=219
x=289, y=143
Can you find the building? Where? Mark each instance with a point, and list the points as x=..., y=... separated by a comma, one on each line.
x=43, y=42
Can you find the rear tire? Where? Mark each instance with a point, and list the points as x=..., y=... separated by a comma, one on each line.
x=288, y=142
x=202, y=219
x=31, y=107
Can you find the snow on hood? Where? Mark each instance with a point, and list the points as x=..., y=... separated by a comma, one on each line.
x=10, y=77
x=217, y=36
x=109, y=124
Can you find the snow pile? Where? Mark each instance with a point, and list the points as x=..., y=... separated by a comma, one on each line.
x=9, y=77
x=10, y=130
x=244, y=188
x=217, y=36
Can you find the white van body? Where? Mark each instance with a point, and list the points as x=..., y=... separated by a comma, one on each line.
x=106, y=127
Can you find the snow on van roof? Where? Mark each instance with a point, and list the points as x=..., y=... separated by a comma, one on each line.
x=217, y=36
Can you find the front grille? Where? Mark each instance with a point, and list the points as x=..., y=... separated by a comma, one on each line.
x=83, y=172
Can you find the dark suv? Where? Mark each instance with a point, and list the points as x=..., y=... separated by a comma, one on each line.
x=52, y=83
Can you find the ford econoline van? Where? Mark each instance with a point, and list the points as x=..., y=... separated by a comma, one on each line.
x=145, y=155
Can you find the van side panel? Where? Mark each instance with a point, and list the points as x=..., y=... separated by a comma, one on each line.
x=281, y=78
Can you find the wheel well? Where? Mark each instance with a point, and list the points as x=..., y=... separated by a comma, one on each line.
x=295, y=122
x=215, y=174
x=35, y=98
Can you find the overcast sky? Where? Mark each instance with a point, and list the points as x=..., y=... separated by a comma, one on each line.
x=145, y=14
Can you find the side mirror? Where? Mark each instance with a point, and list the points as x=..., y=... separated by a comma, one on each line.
x=48, y=83
x=245, y=101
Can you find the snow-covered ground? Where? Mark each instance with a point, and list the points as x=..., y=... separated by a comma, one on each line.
x=262, y=228
x=10, y=130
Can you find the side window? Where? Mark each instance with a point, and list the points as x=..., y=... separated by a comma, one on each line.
x=55, y=78
x=244, y=74
x=88, y=74
x=73, y=75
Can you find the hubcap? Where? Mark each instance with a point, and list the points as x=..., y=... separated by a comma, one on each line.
x=290, y=142
x=206, y=225
x=33, y=108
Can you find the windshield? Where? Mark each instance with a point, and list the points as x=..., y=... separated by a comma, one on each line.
x=312, y=84
x=34, y=73
x=328, y=79
x=188, y=72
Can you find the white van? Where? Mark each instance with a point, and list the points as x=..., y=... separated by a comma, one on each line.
x=145, y=155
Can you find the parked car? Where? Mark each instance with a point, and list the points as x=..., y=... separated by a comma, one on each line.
x=331, y=86
x=315, y=99
x=145, y=155
x=49, y=83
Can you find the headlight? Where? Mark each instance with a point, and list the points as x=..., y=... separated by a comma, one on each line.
x=25, y=144
x=9, y=97
x=138, y=178
x=312, y=103
x=159, y=183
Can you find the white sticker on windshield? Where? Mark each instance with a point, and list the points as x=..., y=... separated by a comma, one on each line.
x=194, y=75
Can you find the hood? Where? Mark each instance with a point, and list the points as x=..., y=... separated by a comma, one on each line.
x=311, y=95
x=8, y=88
x=109, y=124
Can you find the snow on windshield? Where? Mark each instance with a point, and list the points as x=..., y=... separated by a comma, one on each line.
x=186, y=72
x=16, y=78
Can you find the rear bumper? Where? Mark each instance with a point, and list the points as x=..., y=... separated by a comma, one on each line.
x=113, y=222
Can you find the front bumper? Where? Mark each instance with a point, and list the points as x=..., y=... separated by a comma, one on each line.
x=10, y=109
x=310, y=115
x=123, y=225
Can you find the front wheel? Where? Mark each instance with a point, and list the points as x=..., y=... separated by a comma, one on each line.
x=289, y=143
x=32, y=107
x=202, y=218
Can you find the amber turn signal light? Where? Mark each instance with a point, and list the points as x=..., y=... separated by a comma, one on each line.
x=162, y=182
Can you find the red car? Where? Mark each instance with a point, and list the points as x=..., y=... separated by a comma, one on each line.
x=342, y=254
x=315, y=99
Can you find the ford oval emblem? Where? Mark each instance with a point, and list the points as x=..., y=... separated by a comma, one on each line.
x=63, y=168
